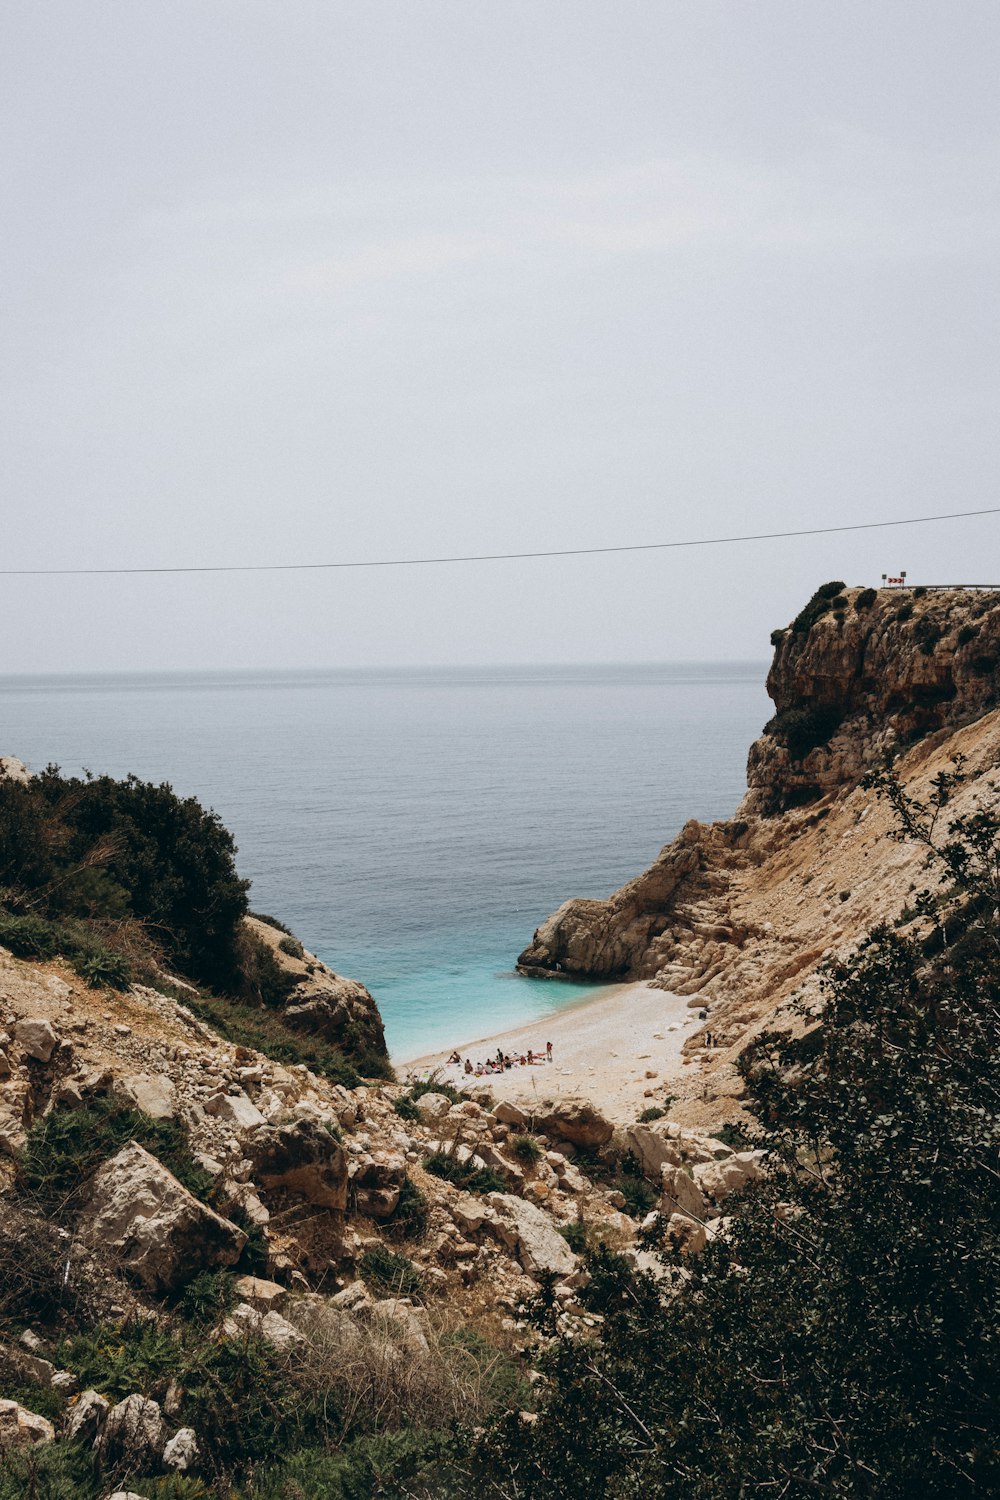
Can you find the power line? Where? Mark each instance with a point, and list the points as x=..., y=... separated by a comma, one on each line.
x=420, y=562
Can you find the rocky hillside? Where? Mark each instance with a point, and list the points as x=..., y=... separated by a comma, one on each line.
x=738, y=914
x=188, y=1202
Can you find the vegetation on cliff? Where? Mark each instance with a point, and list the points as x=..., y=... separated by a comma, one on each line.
x=841, y=1336
x=124, y=878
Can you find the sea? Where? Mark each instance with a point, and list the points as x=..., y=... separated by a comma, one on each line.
x=414, y=826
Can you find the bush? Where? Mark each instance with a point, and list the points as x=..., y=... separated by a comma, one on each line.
x=464, y=1175
x=819, y=605
x=408, y=1220
x=292, y=947
x=575, y=1235
x=65, y=1147
x=865, y=599
x=966, y=634
x=208, y=1296
x=390, y=1274
x=106, y=970
x=525, y=1148
x=653, y=1112
x=50, y=1471
x=777, y=636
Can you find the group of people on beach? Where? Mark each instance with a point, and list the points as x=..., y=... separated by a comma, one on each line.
x=503, y=1061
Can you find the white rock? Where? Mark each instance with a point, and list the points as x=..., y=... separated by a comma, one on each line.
x=181, y=1451
x=237, y=1108
x=86, y=1417
x=153, y=1093
x=154, y=1226
x=432, y=1106
x=531, y=1234
x=20, y=1427
x=134, y=1428
x=245, y=1319
x=36, y=1036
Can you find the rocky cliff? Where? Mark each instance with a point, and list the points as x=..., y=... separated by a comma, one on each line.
x=738, y=914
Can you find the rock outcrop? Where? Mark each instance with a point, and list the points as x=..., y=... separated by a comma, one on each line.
x=319, y=1001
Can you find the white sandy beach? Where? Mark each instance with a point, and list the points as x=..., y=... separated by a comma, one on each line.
x=611, y=1049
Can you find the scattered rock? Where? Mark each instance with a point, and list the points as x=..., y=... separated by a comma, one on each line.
x=133, y=1430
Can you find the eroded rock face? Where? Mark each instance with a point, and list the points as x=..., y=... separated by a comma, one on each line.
x=860, y=681
x=160, y=1232
x=300, y=1158
x=603, y=938
x=848, y=684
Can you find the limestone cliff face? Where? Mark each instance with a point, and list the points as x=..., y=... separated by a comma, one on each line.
x=855, y=676
x=738, y=914
x=321, y=1002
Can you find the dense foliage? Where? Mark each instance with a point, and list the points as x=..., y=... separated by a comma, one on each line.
x=842, y=1339
x=119, y=852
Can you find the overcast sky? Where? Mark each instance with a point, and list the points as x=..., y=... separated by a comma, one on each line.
x=298, y=281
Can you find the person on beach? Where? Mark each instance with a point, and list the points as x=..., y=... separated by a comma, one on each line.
x=531, y=1057
x=468, y=1066
x=454, y=1058
x=548, y=1051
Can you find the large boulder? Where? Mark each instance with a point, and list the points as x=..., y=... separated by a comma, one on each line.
x=575, y=1120
x=159, y=1231
x=531, y=1235
x=153, y=1093
x=717, y=1179
x=301, y=1158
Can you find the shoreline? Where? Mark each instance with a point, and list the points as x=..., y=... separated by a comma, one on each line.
x=620, y=1049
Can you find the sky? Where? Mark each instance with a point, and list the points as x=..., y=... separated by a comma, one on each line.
x=304, y=282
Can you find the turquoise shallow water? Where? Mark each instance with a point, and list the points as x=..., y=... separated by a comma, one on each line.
x=415, y=826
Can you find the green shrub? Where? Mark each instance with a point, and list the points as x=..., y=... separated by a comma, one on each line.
x=575, y=1235
x=464, y=1175
x=108, y=970
x=966, y=634
x=405, y=1106
x=904, y=612
x=408, y=1220
x=777, y=636
x=928, y=632
x=65, y=1147
x=865, y=599
x=525, y=1148
x=734, y=1136
x=818, y=605
x=292, y=947
x=639, y=1196
x=28, y=937
x=392, y=1275
x=653, y=1112
x=208, y=1296
x=50, y=1471
x=260, y=916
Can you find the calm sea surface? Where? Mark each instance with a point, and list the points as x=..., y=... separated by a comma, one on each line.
x=414, y=826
